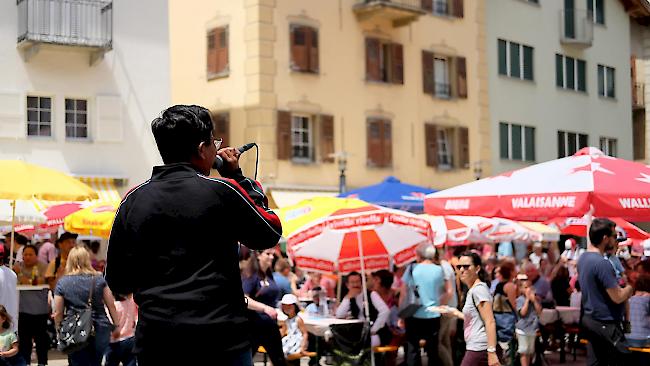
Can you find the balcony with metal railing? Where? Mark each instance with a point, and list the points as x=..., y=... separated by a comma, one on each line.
x=399, y=12
x=77, y=23
x=576, y=27
x=638, y=95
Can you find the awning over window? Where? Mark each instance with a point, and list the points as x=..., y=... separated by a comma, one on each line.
x=279, y=198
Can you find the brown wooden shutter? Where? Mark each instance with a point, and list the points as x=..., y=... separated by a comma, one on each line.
x=461, y=77
x=212, y=51
x=299, y=44
x=431, y=144
x=327, y=138
x=313, y=50
x=398, y=63
x=458, y=8
x=463, y=147
x=222, y=49
x=387, y=144
x=222, y=127
x=373, y=139
x=427, y=72
x=427, y=5
x=284, y=135
x=373, y=66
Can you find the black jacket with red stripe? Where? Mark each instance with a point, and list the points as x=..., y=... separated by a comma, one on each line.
x=174, y=245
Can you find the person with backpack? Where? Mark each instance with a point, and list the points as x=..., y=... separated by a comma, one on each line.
x=529, y=309
x=503, y=307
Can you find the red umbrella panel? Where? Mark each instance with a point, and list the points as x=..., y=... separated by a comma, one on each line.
x=578, y=226
x=339, y=241
x=55, y=215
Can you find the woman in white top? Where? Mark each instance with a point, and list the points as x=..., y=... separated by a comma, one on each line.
x=480, y=327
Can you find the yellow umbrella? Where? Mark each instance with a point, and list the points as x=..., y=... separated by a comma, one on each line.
x=306, y=211
x=25, y=181
x=95, y=220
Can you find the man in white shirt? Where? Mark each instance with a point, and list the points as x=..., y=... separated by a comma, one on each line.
x=8, y=292
x=352, y=306
x=537, y=255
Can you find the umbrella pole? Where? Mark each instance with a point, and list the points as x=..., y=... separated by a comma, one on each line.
x=366, y=304
x=590, y=219
x=13, y=234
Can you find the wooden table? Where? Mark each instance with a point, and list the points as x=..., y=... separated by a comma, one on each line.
x=318, y=325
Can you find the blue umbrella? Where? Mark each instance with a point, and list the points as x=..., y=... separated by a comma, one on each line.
x=392, y=193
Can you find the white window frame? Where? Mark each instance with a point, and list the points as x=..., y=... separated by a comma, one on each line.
x=445, y=147
x=38, y=110
x=577, y=139
x=310, y=136
x=605, y=81
x=443, y=4
x=76, y=113
x=441, y=77
x=575, y=73
x=523, y=141
x=521, y=61
x=607, y=144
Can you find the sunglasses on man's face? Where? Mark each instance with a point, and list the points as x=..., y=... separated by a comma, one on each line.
x=463, y=266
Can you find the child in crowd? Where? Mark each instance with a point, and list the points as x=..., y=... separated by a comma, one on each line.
x=314, y=308
x=529, y=308
x=8, y=342
x=293, y=330
x=123, y=338
x=640, y=313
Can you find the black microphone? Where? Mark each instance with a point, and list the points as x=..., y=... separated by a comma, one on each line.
x=218, y=162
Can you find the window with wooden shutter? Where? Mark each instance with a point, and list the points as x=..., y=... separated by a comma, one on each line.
x=427, y=72
x=431, y=148
x=217, y=53
x=327, y=138
x=457, y=8
x=379, y=143
x=397, y=76
x=221, y=122
x=461, y=77
x=212, y=52
x=299, y=51
x=284, y=135
x=463, y=147
x=427, y=5
x=313, y=50
x=373, y=59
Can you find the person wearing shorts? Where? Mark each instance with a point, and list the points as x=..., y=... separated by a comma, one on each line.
x=528, y=308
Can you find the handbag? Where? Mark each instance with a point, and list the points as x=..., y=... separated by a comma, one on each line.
x=77, y=326
x=411, y=304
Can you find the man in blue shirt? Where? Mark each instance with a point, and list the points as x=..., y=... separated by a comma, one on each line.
x=602, y=297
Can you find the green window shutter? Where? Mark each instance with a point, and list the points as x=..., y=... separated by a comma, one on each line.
x=516, y=142
x=559, y=70
x=571, y=138
x=590, y=7
x=569, y=19
x=528, y=63
x=582, y=75
x=570, y=73
x=600, y=12
x=601, y=81
x=530, y=143
x=611, y=83
x=503, y=66
x=503, y=140
x=561, y=151
x=514, y=60
x=583, y=141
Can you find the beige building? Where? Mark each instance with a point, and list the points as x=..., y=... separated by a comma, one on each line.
x=639, y=11
x=391, y=87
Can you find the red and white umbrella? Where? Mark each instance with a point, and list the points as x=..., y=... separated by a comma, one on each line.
x=460, y=230
x=578, y=226
x=588, y=181
x=55, y=215
x=338, y=241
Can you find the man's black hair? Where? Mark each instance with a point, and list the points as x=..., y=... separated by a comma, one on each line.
x=179, y=131
x=20, y=239
x=600, y=228
x=353, y=273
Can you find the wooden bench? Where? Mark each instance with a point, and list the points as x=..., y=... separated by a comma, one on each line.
x=291, y=357
x=631, y=349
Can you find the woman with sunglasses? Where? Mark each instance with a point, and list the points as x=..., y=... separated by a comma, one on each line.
x=480, y=328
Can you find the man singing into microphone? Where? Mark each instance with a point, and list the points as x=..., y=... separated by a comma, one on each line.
x=174, y=245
